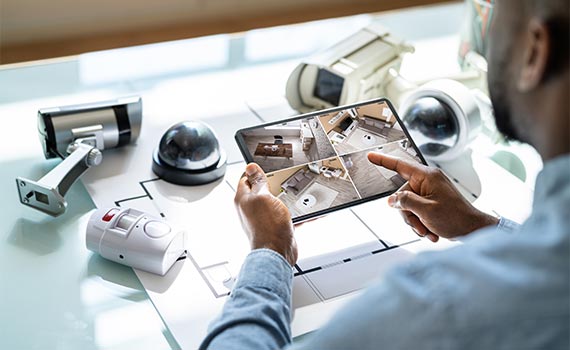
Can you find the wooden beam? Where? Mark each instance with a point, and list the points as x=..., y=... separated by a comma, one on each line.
x=73, y=45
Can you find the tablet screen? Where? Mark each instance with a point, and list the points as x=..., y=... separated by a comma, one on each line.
x=317, y=163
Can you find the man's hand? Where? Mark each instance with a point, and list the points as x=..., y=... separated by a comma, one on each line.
x=265, y=219
x=429, y=202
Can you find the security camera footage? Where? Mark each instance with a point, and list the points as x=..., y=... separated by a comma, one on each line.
x=319, y=163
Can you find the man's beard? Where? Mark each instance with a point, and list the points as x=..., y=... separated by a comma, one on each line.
x=498, y=78
x=498, y=92
x=502, y=112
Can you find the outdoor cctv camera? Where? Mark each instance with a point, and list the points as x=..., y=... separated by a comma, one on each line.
x=354, y=69
x=134, y=238
x=78, y=134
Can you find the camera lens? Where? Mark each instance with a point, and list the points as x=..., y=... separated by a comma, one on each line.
x=433, y=125
x=190, y=146
x=189, y=154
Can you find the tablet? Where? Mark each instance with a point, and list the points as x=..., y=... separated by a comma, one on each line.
x=317, y=163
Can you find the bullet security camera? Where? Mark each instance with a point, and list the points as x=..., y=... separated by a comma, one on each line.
x=78, y=134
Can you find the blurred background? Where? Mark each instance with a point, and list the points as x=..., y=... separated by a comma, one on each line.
x=62, y=46
x=33, y=29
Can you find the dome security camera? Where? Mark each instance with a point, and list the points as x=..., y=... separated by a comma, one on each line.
x=189, y=154
x=443, y=117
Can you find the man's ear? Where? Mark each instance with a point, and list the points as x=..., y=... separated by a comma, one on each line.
x=536, y=52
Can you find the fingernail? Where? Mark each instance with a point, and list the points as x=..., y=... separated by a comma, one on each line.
x=250, y=170
x=393, y=201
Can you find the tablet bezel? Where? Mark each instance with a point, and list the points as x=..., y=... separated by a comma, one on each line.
x=249, y=157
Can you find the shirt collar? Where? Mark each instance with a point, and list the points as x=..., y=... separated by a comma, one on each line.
x=552, y=179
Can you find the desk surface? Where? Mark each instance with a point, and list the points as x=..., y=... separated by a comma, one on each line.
x=54, y=293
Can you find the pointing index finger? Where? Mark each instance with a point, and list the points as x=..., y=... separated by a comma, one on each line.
x=403, y=167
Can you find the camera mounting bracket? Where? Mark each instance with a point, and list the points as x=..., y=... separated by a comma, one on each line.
x=47, y=194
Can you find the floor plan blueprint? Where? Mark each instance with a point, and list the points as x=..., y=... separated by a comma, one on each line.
x=338, y=254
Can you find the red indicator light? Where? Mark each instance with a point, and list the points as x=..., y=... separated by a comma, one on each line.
x=109, y=215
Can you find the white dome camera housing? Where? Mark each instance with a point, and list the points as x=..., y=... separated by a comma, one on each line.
x=442, y=117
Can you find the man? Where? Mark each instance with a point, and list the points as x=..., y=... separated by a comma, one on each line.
x=506, y=287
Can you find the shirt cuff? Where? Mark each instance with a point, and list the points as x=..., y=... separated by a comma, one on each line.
x=507, y=225
x=265, y=268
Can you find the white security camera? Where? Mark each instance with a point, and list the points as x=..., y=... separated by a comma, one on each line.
x=443, y=116
x=77, y=134
x=352, y=70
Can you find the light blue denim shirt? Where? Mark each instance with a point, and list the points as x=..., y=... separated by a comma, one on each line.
x=505, y=288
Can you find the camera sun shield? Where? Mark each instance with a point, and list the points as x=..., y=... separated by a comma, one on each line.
x=78, y=134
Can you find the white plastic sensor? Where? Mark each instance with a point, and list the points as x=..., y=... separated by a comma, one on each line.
x=134, y=238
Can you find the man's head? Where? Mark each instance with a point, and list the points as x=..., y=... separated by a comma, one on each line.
x=529, y=70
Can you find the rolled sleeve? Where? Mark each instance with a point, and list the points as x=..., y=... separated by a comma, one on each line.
x=264, y=268
x=257, y=315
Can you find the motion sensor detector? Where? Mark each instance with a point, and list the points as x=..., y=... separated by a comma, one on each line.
x=134, y=238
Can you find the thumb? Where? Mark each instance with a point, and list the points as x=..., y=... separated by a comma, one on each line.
x=256, y=178
x=408, y=200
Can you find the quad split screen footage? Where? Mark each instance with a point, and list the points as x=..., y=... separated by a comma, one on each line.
x=320, y=162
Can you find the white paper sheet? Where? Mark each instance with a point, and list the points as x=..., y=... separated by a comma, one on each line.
x=339, y=254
